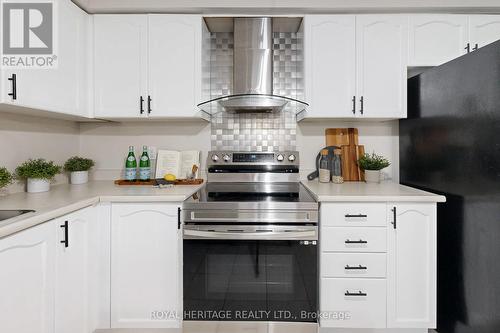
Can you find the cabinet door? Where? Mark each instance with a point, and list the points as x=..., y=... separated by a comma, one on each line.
x=62, y=89
x=72, y=272
x=381, y=42
x=436, y=39
x=27, y=281
x=330, y=65
x=411, y=276
x=145, y=266
x=174, y=65
x=120, y=65
x=483, y=30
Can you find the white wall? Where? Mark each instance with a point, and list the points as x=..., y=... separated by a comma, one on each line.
x=107, y=143
x=379, y=137
x=24, y=137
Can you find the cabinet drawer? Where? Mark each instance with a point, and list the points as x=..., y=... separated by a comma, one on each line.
x=353, y=214
x=368, y=265
x=344, y=239
x=359, y=303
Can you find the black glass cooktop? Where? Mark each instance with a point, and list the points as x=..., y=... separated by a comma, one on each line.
x=254, y=192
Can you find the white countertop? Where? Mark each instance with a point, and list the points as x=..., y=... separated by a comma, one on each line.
x=64, y=199
x=361, y=191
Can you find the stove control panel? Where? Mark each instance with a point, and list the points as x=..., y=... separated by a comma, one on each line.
x=253, y=158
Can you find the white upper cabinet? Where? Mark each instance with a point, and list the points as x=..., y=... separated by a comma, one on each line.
x=145, y=266
x=147, y=65
x=27, y=281
x=483, y=30
x=174, y=65
x=381, y=62
x=330, y=65
x=64, y=89
x=355, y=66
x=437, y=38
x=120, y=66
x=411, y=275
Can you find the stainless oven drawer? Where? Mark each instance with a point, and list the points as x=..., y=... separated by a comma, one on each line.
x=250, y=216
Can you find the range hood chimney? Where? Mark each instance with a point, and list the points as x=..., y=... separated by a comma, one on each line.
x=252, y=71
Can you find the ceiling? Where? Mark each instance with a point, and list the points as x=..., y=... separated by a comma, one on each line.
x=287, y=7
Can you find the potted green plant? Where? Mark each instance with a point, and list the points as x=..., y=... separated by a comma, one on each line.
x=372, y=164
x=78, y=167
x=38, y=174
x=6, y=179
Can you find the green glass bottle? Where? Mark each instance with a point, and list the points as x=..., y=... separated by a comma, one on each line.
x=144, y=165
x=131, y=165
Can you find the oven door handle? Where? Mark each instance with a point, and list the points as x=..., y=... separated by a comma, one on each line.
x=250, y=217
x=263, y=235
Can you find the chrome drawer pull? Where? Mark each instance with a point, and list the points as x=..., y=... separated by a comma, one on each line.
x=347, y=241
x=359, y=293
x=355, y=267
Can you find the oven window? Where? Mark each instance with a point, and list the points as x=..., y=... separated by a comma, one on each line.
x=250, y=280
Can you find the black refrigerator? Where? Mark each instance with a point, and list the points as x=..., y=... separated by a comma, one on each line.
x=450, y=144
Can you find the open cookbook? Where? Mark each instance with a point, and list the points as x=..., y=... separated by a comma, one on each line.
x=177, y=163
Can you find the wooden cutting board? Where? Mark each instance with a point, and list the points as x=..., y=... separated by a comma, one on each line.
x=347, y=139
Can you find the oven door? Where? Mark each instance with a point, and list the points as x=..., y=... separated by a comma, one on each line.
x=249, y=273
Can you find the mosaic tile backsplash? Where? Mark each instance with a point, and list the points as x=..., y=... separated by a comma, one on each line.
x=256, y=131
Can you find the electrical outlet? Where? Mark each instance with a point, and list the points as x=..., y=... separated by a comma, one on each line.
x=152, y=151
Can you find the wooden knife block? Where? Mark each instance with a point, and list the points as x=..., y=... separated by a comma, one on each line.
x=347, y=140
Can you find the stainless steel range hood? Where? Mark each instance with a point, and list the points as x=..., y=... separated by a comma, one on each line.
x=252, y=72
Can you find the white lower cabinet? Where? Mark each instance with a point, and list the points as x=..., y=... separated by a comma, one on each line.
x=27, y=280
x=411, y=276
x=354, y=303
x=145, y=266
x=73, y=267
x=378, y=277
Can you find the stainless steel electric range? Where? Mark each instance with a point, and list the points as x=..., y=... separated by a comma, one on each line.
x=250, y=241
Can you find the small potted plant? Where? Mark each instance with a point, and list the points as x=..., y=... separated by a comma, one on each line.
x=78, y=167
x=38, y=174
x=6, y=179
x=372, y=164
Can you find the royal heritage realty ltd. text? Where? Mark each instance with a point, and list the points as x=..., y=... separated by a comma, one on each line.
x=263, y=315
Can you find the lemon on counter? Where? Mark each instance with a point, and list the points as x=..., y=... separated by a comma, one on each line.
x=169, y=177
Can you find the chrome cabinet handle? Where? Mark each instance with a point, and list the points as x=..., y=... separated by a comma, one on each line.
x=359, y=267
x=359, y=293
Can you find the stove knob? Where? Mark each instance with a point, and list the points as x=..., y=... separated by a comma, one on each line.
x=291, y=158
x=226, y=158
x=215, y=158
x=280, y=158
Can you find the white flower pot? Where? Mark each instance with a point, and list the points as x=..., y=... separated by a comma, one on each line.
x=372, y=176
x=79, y=177
x=38, y=185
